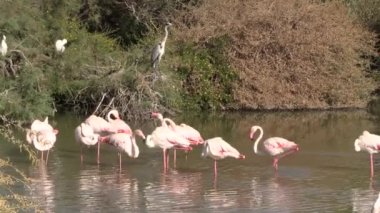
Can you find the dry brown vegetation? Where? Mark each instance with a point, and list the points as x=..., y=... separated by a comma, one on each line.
x=289, y=53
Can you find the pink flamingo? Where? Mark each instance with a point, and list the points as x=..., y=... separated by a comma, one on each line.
x=125, y=143
x=217, y=149
x=84, y=134
x=114, y=119
x=165, y=138
x=370, y=143
x=42, y=135
x=276, y=147
x=100, y=127
x=186, y=131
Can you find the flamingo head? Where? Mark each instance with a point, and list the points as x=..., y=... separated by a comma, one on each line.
x=252, y=131
x=139, y=133
x=64, y=41
x=357, y=147
x=4, y=37
x=157, y=115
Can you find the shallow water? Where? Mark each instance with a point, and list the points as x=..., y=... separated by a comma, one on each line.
x=327, y=175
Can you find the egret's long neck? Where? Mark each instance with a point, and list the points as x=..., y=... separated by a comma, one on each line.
x=258, y=140
x=166, y=36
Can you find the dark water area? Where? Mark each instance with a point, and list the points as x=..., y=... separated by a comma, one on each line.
x=326, y=175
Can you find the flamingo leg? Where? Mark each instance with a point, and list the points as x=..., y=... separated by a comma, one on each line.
x=42, y=155
x=164, y=158
x=119, y=161
x=47, y=156
x=175, y=158
x=98, y=154
x=275, y=163
x=215, y=169
x=371, y=161
x=81, y=153
x=167, y=159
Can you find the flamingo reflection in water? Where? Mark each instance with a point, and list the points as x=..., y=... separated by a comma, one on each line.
x=43, y=187
x=177, y=191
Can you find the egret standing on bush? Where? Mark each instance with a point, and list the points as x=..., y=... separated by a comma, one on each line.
x=60, y=45
x=4, y=46
x=159, y=50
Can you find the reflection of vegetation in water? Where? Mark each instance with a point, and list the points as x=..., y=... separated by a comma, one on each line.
x=11, y=178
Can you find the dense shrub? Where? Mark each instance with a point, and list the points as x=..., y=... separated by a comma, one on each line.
x=289, y=54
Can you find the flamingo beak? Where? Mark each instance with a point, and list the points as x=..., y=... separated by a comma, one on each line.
x=297, y=148
x=55, y=131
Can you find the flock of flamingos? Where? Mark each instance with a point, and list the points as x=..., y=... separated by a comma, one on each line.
x=115, y=132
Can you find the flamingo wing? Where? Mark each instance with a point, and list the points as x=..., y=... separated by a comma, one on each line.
x=219, y=149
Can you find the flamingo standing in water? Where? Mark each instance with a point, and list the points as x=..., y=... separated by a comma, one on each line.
x=186, y=131
x=42, y=135
x=114, y=119
x=370, y=143
x=165, y=138
x=275, y=146
x=100, y=127
x=125, y=143
x=217, y=149
x=84, y=134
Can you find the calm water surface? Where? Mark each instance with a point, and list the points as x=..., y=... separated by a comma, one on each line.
x=327, y=175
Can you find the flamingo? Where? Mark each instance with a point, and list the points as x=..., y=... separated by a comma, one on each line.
x=275, y=146
x=370, y=143
x=165, y=138
x=42, y=135
x=125, y=143
x=218, y=149
x=84, y=134
x=100, y=127
x=186, y=131
x=114, y=119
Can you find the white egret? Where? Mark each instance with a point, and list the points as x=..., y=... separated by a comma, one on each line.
x=4, y=46
x=60, y=45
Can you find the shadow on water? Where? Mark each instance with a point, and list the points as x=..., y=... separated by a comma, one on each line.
x=327, y=175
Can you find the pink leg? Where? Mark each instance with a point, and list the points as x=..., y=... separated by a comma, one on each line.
x=167, y=159
x=164, y=158
x=215, y=168
x=275, y=163
x=98, y=155
x=81, y=153
x=175, y=158
x=42, y=155
x=119, y=161
x=47, y=156
x=371, y=160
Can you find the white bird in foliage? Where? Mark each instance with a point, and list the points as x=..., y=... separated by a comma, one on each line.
x=370, y=143
x=159, y=50
x=4, y=46
x=60, y=45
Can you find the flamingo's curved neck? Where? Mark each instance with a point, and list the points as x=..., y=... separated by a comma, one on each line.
x=258, y=140
x=161, y=118
x=170, y=121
